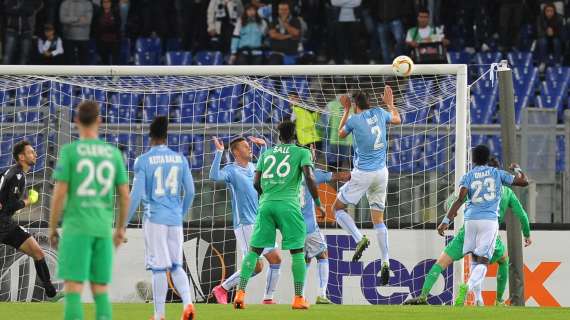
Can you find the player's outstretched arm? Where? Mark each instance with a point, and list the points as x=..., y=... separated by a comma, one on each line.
x=137, y=191
x=259, y=142
x=312, y=185
x=124, y=199
x=57, y=202
x=520, y=179
x=452, y=213
x=189, y=189
x=217, y=174
x=521, y=214
x=345, y=101
x=257, y=182
x=388, y=98
x=340, y=176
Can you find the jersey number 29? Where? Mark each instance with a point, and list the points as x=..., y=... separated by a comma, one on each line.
x=103, y=174
x=171, y=181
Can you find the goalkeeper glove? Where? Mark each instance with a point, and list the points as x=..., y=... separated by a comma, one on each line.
x=33, y=196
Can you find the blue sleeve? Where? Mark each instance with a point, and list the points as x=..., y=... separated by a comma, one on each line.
x=215, y=173
x=322, y=176
x=387, y=115
x=138, y=189
x=506, y=177
x=189, y=190
x=464, y=181
x=348, y=126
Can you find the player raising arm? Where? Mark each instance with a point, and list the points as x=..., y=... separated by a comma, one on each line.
x=454, y=250
x=12, y=188
x=160, y=177
x=239, y=176
x=278, y=180
x=482, y=186
x=370, y=173
x=87, y=173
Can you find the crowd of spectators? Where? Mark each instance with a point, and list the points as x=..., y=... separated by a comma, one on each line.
x=277, y=31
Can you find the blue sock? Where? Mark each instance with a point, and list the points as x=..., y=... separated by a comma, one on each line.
x=182, y=285
x=347, y=224
x=272, y=278
x=382, y=235
x=323, y=265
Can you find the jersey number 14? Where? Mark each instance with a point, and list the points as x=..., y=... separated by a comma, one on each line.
x=170, y=183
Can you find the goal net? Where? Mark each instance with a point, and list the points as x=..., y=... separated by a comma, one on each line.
x=426, y=154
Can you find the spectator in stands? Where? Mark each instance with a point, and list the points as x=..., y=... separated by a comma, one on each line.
x=390, y=26
x=75, y=17
x=50, y=46
x=346, y=31
x=223, y=16
x=510, y=17
x=338, y=149
x=124, y=6
x=285, y=33
x=151, y=18
x=424, y=32
x=107, y=32
x=305, y=123
x=248, y=38
x=549, y=35
x=19, y=19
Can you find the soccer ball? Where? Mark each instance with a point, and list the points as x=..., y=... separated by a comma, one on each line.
x=402, y=66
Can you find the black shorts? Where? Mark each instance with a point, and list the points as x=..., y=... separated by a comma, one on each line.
x=15, y=237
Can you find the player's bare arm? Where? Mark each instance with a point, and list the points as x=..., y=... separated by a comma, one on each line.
x=340, y=176
x=312, y=186
x=124, y=199
x=521, y=179
x=345, y=101
x=257, y=182
x=57, y=202
x=444, y=225
x=388, y=99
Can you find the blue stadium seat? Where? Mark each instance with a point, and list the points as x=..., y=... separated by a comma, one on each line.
x=114, y=114
x=521, y=102
x=197, y=142
x=485, y=87
x=558, y=74
x=554, y=88
x=413, y=115
x=436, y=154
x=209, y=58
x=29, y=96
x=173, y=44
x=61, y=94
x=459, y=57
x=5, y=161
x=488, y=57
x=125, y=55
x=296, y=85
x=28, y=116
x=560, y=154
x=129, y=99
x=520, y=59
x=193, y=106
x=483, y=108
x=178, y=58
x=445, y=110
x=218, y=113
x=148, y=45
x=146, y=58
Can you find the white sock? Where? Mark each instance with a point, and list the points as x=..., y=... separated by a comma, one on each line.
x=478, y=293
x=382, y=235
x=182, y=285
x=323, y=265
x=347, y=224
x=232, y=281
x=159, y=290
x=477, y=275
x=272, y=278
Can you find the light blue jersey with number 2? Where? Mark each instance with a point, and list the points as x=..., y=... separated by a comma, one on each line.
x=484, y=185
x=164, y=184
x=368, y=129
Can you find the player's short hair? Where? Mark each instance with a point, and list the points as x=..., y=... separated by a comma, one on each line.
x=361, y=99
x=19, y=148
x=423, y=10
x=159, y=128
x=284, y=2
x=286, y=131
x=481, y=154
x=494, y=162
x=235, y=142
x=87, y=112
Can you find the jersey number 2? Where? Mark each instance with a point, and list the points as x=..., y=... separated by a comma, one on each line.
x=171, y=181
x=378, y=134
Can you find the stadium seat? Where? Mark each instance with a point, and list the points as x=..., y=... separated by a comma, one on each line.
x=208, y=58
x=129, y=99
x=193, y=106
x=125, y=56
x=296, y=85
x=173, y=44
x=483, y=108
x=558, y=74
x=148, y=45
x=28, y=116
x=28, y=96
x=488, y=57
x=5, y=161
x=445, y=110
x=521, y=102
x=459, y=57
x=178, y=58
x=197, y=144
x=146, y=58
x=62, y=94
x=520, y=59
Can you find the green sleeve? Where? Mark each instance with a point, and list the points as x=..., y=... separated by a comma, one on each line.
x=62, y=169
x=305, y=158
x=519, y=211
x=121, y=177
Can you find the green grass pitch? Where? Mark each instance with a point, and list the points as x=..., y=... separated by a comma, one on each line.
x=47, y=311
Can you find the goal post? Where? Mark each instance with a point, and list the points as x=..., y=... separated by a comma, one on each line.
x=426, y=157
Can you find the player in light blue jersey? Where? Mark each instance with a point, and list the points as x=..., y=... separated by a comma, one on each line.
x=482, y=186
x=370, y=174
x=164, y=184
x=315, y=243
x=238, y=175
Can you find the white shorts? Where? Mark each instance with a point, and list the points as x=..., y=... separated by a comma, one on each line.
x=243, y=236
x=480, y=237
x=163, y=246
x=374, y=184
x=315, y=244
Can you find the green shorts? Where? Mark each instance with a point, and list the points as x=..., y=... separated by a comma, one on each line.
x=85, y=258
x=454, y=249
x=283, y=215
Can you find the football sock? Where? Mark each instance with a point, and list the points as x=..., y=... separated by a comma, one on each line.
x=103, y=309
x=73, y=309
x=159, y=290
x=477, y=274
x=231, y=282
x=247, y=267
x=323, y=265
x=299, y=269
x=272, y=280
x=430, y=279
x=477, y=291
x=502, y=277
x=382, y=235
x=347, y=224
x=42, y=270
x=182, y=285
